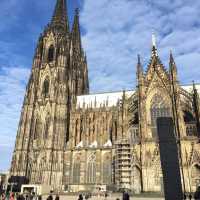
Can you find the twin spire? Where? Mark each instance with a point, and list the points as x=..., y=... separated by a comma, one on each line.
x=60, y=17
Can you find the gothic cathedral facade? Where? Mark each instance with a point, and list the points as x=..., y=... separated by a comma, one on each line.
x=70, y=139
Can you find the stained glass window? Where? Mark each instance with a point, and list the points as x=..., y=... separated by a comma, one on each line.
x=91, y=169
x=107, y=171
x=76, y=173
x=159, y=108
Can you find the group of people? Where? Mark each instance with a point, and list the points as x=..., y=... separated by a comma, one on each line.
x=125, y=196
x=32, y=196
x=17, y=196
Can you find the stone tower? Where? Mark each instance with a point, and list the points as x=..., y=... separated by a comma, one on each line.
x=59, y=73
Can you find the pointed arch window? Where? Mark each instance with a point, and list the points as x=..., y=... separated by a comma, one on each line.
x=76, y=172
x=47, y=125
x=76, y=132
x=115, y=129
x=91, y=169
x=107, y=169
x=45, y=89
x=81, y=130
x=38, y=129
x=159, y=108
x=51, y=52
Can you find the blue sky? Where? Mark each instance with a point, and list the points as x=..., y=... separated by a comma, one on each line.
x=114, y=32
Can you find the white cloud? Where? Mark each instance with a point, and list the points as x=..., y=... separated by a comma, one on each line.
x=117, y=30
x=12, y=89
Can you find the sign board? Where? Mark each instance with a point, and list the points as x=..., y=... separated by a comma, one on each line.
x=169, y=159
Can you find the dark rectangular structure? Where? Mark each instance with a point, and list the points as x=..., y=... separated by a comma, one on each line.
x=169, y=159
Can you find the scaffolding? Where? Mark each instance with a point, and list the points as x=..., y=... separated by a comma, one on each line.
x=123, y=164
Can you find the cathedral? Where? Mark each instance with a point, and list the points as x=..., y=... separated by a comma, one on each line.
x=72, y=140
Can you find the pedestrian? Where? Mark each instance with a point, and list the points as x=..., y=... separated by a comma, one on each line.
x=197, y=194
x=86, y=196
x=50, y=197
x=22, y=197
x=126, y=196
x=3, y=196
x=12, y=196
x=80, y=197
x=106, y=195
x=57, y=197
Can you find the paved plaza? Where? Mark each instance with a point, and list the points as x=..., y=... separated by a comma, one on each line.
x=114, y=197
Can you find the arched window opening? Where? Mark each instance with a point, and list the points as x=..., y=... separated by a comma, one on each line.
x=76, y=133
x=107, y=170
x=45, y=89
x=159, y=108
x=195, y=175
x=38, y=129
x=91, y=169
x=111, y=133
x=51, y=53
x=47, y=126
x=76, y=173
x=115, y=125
x=89, y=134
x=188, y=117
x=136, y=118
x=81, y=130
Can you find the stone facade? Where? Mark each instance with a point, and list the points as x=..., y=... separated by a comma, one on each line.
x=70, y=139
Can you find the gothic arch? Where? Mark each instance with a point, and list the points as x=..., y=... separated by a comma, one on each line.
x=51, y=53
x=91, y=168
x=157, y=105
x=106, y=168
x=76, y=132
x=195, y=174
x=47, y=126
x=37, y=128
x=76, y=169
x=136, y=178
x=46, y=87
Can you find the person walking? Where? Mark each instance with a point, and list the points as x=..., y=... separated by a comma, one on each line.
x=50, y=197
x=126, y=196
x=12, y=196
x=3, y=196
x=57, y=197
x=80, y=197
x=197, y=194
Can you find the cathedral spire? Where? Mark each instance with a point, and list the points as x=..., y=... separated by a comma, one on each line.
x=60, y=17
x=76, y=33
x=172, y=66
x=139, y=71
x=139, y=67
